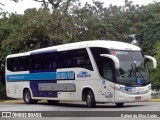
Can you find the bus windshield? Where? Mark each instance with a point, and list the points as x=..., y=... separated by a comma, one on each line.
x=133, y=69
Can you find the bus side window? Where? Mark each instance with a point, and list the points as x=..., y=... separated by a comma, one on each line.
x=74, y=58
x=37, y=62
x=50, y=60
x=18, y=64
x=11, y=64
x=65, y=59
x=81, y=59
x=43, y=62
x=24, y=63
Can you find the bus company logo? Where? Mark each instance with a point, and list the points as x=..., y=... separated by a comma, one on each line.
x=65, y=75
x=20, y=114
x=128, y=89
x=83, y=74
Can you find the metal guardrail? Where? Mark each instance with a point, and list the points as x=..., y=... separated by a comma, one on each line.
x=155, y=94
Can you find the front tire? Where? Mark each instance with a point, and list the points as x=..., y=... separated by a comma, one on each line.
x=90, y=99
x=27, y=98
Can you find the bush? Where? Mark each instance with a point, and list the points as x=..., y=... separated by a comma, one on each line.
x=2, y=92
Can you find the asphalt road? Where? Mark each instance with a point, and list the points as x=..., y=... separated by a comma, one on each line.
x=79, y=106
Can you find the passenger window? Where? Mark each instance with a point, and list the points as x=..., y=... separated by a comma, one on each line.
x=74, y=58
x=81, y=59
x=37, y=62
x=43, y=62
x=65, y=59
x=50, y=61
x=24, y=63
x=18, y=63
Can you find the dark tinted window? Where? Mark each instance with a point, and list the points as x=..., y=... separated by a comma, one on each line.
x=104, y=64
x=18, y=63
x=65, y=59
x=50, y=61
x=81, y=59
x=37, y=62
x=43, y=62
x=40, y=62
x=74, y=58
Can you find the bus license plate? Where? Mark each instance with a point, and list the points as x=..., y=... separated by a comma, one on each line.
x=138, y=98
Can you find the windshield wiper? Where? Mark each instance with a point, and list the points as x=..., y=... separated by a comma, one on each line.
x=139, y=73
x=133, y=71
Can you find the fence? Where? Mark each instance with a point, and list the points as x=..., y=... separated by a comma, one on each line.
x=155, y=94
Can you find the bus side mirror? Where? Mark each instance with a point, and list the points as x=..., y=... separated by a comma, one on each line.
x=114, y=58
x=153, y=59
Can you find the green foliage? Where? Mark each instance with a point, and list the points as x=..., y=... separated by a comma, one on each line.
x=2, y=92
x=154, y=74
x=68, y=22
x=147, y=27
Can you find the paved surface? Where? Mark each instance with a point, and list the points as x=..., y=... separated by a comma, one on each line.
x=79, y=106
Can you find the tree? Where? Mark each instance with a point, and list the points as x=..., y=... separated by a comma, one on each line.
x=68, y=22
x=55, y=3
x=147, y=27
x=155, y=77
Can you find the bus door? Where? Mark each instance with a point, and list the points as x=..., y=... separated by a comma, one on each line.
x=106, y=84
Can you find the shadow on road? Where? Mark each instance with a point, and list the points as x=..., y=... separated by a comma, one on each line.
x=83, y=105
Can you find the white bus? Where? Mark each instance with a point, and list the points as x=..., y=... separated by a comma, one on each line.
x=93, y=71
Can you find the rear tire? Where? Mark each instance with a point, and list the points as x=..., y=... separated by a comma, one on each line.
x=27, y=98
x=119, y=104
x=52, y=102
x=90, y=99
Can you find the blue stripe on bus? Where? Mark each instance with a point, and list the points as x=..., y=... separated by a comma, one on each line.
x=32, y=76
x=65, y=75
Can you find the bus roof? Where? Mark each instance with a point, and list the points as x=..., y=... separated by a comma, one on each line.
x=93, y=43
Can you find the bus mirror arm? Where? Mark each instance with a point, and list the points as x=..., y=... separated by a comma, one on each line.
x=153, y=59
x=114, y=58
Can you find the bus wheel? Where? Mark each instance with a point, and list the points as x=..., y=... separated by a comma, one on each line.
x=27, y=98
x=90, y=100
x=52, y=102
x=119, y=104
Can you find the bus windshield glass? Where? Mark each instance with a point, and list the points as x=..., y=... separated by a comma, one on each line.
x=133, y=69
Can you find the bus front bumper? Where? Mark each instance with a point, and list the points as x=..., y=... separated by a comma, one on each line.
x=124, y=98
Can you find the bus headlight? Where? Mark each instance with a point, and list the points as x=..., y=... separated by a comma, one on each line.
x=120, y=97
